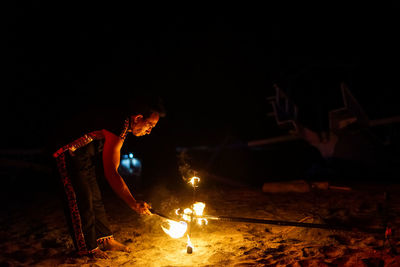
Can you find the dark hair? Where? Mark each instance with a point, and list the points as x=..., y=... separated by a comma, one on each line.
x=144, y=105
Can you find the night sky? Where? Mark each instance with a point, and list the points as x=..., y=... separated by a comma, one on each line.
x=213, y=69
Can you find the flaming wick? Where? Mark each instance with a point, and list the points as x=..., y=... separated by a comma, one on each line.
x=189, y=246
x=194, y=181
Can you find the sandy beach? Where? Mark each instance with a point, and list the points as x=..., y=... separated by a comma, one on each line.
x=35, y=234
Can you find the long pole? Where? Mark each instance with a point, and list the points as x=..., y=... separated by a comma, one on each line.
x=161, y=215
x=281, y=223
x=296, y=224
x=189, y=249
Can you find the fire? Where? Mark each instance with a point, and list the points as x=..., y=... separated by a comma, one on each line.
x=187, y=214
x=189, y=246
x=198, y=208
x=194, y=181
x=176, y=229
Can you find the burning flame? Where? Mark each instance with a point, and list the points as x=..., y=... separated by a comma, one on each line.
x=194, y=181
x=187, y=214
x=189, y=244
x=176, y=229
x=198, y=208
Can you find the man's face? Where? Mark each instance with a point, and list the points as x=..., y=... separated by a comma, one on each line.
x=143, y=126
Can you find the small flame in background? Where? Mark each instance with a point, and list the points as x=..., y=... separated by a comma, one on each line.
x=194, y=181
x=176, y=229
x=184, y=167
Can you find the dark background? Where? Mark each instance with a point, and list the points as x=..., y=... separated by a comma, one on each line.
x=212, y=66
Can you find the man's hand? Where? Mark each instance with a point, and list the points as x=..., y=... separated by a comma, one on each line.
x=142, y=208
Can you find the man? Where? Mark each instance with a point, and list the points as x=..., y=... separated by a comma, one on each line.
x=79, y=161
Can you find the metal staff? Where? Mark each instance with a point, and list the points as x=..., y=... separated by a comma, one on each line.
x=161, y=215
x=288, y=223
x=195, y=183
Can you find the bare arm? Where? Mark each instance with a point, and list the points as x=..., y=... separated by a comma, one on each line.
x=111, y=159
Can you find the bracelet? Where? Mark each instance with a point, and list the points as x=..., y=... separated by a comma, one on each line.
x=101, y=240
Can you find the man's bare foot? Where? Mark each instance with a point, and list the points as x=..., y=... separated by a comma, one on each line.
x=99, y=254
x=112, y=244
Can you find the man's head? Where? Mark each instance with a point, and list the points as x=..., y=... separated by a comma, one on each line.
x=141, y=125
x=144, y=112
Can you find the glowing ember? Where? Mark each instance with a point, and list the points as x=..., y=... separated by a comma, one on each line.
x=194, y=181
x=176, y=229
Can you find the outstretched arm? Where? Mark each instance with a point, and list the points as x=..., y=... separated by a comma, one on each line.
x=111, y=159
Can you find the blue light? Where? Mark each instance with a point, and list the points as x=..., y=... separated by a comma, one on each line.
x=136, y=163
x=129, y=165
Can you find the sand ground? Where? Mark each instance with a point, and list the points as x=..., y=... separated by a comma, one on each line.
x=35, y=234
